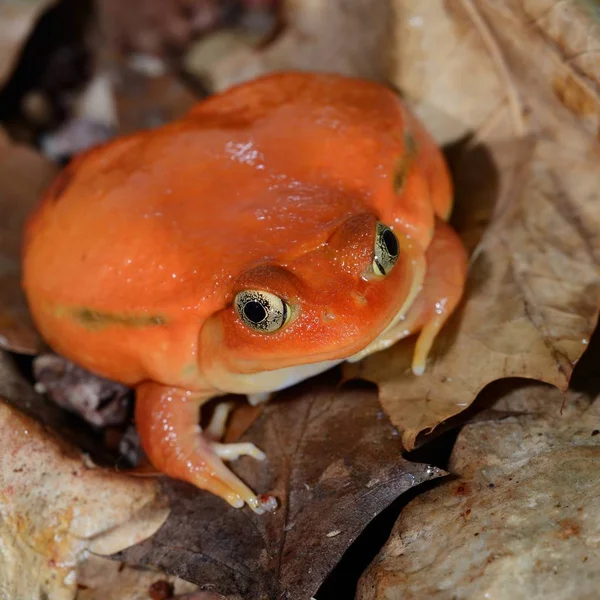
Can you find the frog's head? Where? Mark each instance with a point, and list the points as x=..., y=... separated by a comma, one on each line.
x=288, y=321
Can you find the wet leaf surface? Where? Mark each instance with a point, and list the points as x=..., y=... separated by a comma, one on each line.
x=333, y=462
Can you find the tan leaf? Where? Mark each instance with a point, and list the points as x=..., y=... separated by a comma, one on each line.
x=23, y=176
x=335, y=36
x=55, y=506
x=534, y=281
x=442, y=65
x=103, y=579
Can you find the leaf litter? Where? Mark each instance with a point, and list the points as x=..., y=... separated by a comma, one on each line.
x=524, y=158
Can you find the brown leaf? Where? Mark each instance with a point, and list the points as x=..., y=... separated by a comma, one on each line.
x=533, y=291
x=55, y=506
x=521, y=520
x=335, y=36
x=333, y=462
x=17, y=19
x=23, y=176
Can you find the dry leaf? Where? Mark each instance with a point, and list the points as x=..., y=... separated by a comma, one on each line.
x=335, y=36
x=522, y=518
x=440, y=62
x=17, y=19
x=55, y=506
x=334, y=463
x=23, y=176
x=157, y=27
x=103, y=579
x=533, y=291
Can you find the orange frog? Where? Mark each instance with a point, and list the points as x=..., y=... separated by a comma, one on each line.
x=281, y=227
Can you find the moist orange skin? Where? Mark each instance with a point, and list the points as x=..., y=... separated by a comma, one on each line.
x=135, y=253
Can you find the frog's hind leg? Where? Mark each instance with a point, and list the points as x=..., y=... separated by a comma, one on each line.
x=167, y=422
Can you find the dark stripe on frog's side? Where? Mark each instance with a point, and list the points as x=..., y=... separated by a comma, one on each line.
x=95, y=319
x=403, y=166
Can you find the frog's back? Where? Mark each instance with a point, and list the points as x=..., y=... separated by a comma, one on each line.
x=153, y=228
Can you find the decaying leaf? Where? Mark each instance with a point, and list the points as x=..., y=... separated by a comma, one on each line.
x=336, y=36
x=334, y=463
x=99, y=401
x=521, y=520
x=17, y=19
x=533, y=292
x=23, y=176
x=55, y=507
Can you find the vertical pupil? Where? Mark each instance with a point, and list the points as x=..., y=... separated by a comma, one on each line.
x=390, y=241
x=255, y=311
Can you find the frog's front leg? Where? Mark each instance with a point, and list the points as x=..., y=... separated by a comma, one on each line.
x=167, y=422
x=442, y=289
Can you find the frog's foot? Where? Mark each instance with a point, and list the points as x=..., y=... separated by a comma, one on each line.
x=167, y=422
x=442, y=289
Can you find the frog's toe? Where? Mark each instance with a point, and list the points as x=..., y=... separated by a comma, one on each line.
x=233, y=451
x=259, y=398
x=218, y=422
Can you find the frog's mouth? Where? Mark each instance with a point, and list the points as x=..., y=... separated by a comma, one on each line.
x=245, y=376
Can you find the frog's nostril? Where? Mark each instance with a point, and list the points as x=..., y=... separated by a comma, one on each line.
x=359, y=299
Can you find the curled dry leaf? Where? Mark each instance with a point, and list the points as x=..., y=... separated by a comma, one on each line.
x=23, y=176
x=17, y=19
x=533, y=291
x=334, y=36
x=55, y=507
x=522, y=518
x=99, y=401
x=333, y=462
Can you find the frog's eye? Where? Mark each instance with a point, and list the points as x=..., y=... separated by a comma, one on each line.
x=261, y=311
x=386, y=250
